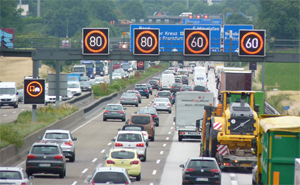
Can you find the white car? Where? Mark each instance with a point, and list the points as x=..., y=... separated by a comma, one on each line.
x=68, y=96
x=99, y=80
x=14, y=176
x=116, y=76
x=50, y=99
x=162, y=104
x=74, y=87
x=110, y=175
x=132, y=140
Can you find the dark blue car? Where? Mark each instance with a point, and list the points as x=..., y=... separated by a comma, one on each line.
x=143, y=89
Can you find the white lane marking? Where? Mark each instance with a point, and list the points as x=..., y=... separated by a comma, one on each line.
x=86, y=169
x=169, y=132
x=164, y=145
x=86, y=123
x=167, y=138
x=154, y=172
x=171, y=127
x=173, y=123
x=234, y=182
x=109, y=144
x=14, y=112
x=161, y=152
x=75, y=182
x=232, y=175
x=4, y=114
x=102, y=151
x=158, y=161
x=94, y=160
x=151, y=183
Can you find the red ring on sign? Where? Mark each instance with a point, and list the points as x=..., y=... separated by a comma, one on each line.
x=155, y=40
x=140, y=64
x=93, y=50
x=200, y=33
x=33, y=94
x=252, y=52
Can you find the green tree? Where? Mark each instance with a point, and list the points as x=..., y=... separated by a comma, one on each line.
x=177, y=8
x=9, y=16
x=133, y=10
x=237, y=19
x=103, y=10
x=200, y=8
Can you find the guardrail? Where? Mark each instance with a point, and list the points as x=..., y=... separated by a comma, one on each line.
x=269, y=109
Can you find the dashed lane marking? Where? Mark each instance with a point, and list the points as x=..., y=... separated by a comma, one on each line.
x=86, y=169
x=94, y=160
x=154, y=172
x=161, y=152
x=102, y=151
x=158, y=161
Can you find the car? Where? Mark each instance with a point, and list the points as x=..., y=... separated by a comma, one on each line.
x=165, y=94
x=85, y=86
x=200, y=88
x=84, y=78
x=50, y=98
x=116, y=76
x=99, y=80
x=143, y=89
x=46, y=158
x=162, y=104
x=110, y=175
x=129, y=99
x=154, y=84
x=68, y=96
x=14, y=176
x=74, y=87
x=125, y=158
x=175, y=87
x=178, y=80
x=114, y=111
x=186, y=88
x=145, y=120
x=131, y=140
x=152, y=111
x=149, y=88
x=137, y=128
x=137, y=94
x=185, y=79
x=254, y=175
x=20, y=94
x=201, y=170
x=64, y=138
x=173, y=98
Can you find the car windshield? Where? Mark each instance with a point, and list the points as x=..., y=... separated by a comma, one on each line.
x=57, y=136
x=161, y=100
x=122, y=155
x=132, y=91
x=45, y=150
x=202, y=164
x=142, y=120
x=7, y=91
x=140, y=86
x=147, y=111
x=110, y=177
x=164, y=94
x=10, y=175
x=113, y=107
x=129, y=137
x=152, y=81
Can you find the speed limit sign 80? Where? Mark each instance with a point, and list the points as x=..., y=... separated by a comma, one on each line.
x=252, y=43
x=95, y=41
x=146, y=42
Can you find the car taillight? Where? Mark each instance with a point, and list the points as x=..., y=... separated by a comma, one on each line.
x=58, y=157
x=156, y=96
x=154, y=116
x=118, y=144
x=110, y=162
x=137, y=95
x=122, y=98
x=144, y=134
x=140, y=145
x=30, y=156
x=154, y=103
x=189, y=169
x=69, y=143
x=169, y=104
x=172, y=87
x=127, y=182
x=92, y=182
x=134, y=162
x=146, y=90
x=134, y=98
x=23, y=183
x=182, y=89
x=215, y=170
x=121, y=112
x=191, y=89
x=107, y=111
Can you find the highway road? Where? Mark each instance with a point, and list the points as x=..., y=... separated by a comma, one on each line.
x=164, y=155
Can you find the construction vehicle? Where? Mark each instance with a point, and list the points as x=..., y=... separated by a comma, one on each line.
x=229, y=131
x=277, y=148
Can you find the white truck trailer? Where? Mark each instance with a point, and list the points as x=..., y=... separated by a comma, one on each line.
x=189, y=109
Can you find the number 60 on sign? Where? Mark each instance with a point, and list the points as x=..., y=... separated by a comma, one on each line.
x=252, y=43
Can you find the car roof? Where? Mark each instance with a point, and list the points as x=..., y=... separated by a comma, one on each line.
x=45, y=143
x=129, y=131
x=203, y=158
x=162, y=98
x=107, y=169
x=57, y=130
x=124, y=126
x=122, y=149
x=10, y=168
x=147, y=115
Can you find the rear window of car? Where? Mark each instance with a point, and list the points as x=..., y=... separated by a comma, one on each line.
x=46, y=150
x=10, y=175
x=57, y=136
x=113, y=107
x=161, y=100
x=163, y=93
x=199, y=88
x=147, y=111
x=123, y=155
x=176, y=84
x=133, y=128
x=128, y=95
x=142, y=120
x=129, y=137
x=177, y=80
x=202, y=164
x=140, y=86
x=111, y=177
x=153, y=81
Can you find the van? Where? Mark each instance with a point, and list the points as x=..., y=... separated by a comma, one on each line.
x=8, y=94
x=166, y=81
x=185, y=14
x=145, y=120
x=200, y=76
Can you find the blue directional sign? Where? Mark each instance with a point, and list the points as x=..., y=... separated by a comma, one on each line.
x=172, y=36
x=196, y=21
x=286, y=108
x=216, y=21
x=235, y=36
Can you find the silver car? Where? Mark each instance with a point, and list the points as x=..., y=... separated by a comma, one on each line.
x=114, y=111
x=162, y=104
x=64, y=138
x=129, y=99
x=14, y=176
x=137, y=94
x=110, y=175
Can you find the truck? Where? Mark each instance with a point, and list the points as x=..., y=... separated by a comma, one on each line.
x=229, y=131
x=189, y=111
x=73, y=77
x=90, y=68
x=8, y=94
x=101, y=67
x=235, y=81
x=277, y=148
x=79, y=69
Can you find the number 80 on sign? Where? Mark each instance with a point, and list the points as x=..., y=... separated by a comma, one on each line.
x=146, y=42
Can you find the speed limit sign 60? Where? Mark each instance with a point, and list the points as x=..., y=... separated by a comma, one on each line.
x=196, y=42
x=252, y=43
x=95, y=41
x=146, y=42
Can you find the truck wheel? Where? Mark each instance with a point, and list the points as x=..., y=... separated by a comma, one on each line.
x=179, y=138
x=212, y=143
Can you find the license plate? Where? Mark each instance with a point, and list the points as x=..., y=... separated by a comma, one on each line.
x=44, y=165
x=193, y=133
x=114, y=112
x=201, y=179
x=246, y=165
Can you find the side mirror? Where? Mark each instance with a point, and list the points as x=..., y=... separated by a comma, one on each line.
x=103, y=108
x=181, y=166
x=127, y=122
x=30, y=177
x=75, y=139
x=132, y=179
x=89, y=179
x=125, y=108
x=152, y=101
x=119, y=129
x=17, y=93
x=135, y=112
x=222, y=167
x=27, y=152
x=147, y=140
x=113, y=139
x=105, y=157
x=40, y=138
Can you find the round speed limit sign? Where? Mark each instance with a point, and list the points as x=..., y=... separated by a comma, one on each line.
x=252, y=43
x=95, y=41
x=196, y=42
x=146, y=42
